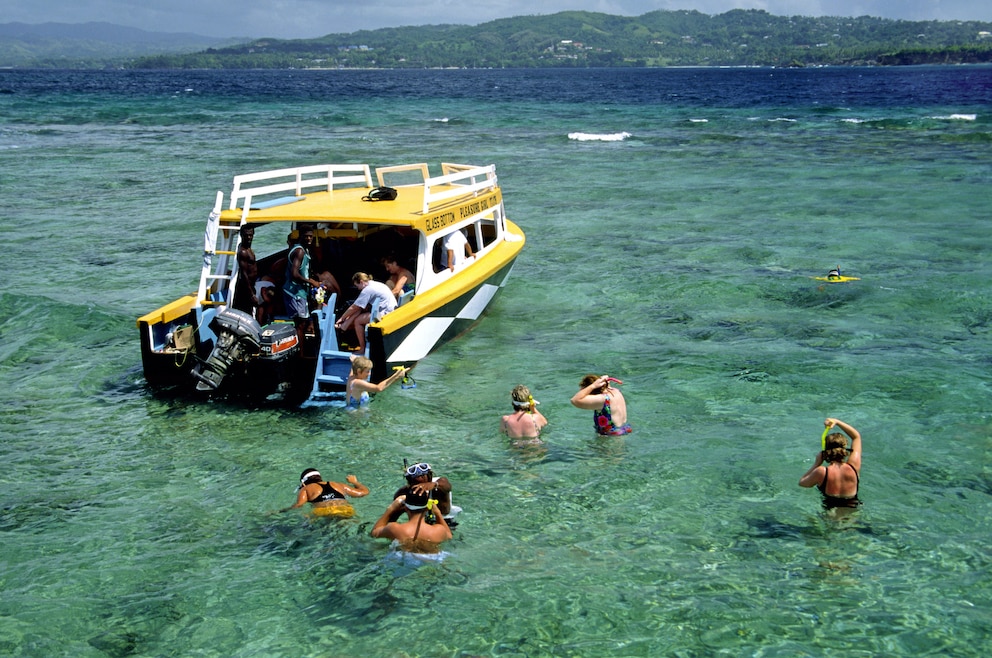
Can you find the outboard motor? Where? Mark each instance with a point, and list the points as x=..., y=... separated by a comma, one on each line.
x=238, y=338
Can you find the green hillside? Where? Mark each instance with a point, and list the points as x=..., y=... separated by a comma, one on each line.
x=586, y=39
x=88, y=45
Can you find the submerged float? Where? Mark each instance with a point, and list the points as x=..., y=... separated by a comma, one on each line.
x=201, y=343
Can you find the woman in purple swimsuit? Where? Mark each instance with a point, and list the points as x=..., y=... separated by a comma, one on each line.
x=607, y=403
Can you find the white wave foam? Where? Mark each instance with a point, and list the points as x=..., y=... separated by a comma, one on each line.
x=957, y=117
x=442, y=120
x=592, y=137
x=699, y=120
x=787, y=120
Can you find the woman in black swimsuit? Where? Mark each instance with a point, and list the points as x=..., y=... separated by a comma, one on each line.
x=839, y=484
x=327, y=498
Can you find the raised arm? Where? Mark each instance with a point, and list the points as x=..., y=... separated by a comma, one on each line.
x=381, y=529
x=363, y=385
x=585, y=399
x=854, y=459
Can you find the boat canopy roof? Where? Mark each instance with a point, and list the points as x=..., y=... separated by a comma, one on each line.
x=335, y=197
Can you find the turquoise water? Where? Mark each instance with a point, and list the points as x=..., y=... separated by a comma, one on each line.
x=678, y=259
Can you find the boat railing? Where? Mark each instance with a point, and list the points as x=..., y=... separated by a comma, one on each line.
x=296, y=181
x=457, y=181
x=420, y=168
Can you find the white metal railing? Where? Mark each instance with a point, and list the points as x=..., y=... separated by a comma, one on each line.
x=420, y=167
x=465, y=179
x=296, y=180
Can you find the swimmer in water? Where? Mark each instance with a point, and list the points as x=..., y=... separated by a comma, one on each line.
x=607, y=403
x=526, y=421
x=415, y=535
x=838, y=485
x=358, y=387
x=327, y=498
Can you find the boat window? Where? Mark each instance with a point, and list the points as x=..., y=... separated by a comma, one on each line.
x=487, y=227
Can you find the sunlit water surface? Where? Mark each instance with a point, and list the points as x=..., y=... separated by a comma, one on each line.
x=677, y=257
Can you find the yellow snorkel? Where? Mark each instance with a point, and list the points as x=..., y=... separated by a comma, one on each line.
x=823, y=439
x=431, y=515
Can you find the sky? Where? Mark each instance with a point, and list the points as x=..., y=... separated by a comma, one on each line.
x=304, y=19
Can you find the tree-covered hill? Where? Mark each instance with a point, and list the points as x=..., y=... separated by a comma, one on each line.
x=85, y=45
x=582, y=39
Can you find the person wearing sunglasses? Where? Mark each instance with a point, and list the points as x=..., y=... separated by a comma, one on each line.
x=327, y=498
x=420, y=480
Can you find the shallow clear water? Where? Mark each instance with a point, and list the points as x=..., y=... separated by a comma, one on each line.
x=678, y=259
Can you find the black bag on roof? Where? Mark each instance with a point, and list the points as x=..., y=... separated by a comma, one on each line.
x=381, y=194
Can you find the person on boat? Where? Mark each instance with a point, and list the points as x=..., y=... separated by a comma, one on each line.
x=245, y=298
x=607, y=402
x=834, y=274
x=458, y=249
x=298, y=284
x=416, y=534
x=358, y=388
x=400, y=279
x=327, y=498
x=359, y=313
x=839, y=486
x=268, y=299
x=420, y=480
x=526, y=421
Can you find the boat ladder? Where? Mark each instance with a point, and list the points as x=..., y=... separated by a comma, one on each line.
x=333, y=365
x=220, y=248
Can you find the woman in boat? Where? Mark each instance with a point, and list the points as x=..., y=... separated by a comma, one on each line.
x=526, y=421
x=839, y=485
x=358, y=387
x=608, y=404
x=359, y=313
x=327, y=498
x=400, y=279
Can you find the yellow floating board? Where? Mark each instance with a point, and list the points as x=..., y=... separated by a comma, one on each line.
x=836, y=279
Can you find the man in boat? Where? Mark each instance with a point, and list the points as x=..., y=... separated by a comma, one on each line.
x=458, y=249
x=245, y=298
x=415, y=535
x=298, y=284
x=327, y=498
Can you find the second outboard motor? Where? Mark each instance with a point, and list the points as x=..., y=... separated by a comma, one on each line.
x=238, y=338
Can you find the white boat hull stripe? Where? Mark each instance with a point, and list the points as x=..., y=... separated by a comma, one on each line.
x=421, y=340
x=480, y=300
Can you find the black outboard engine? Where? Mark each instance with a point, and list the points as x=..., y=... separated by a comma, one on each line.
x=238, y=338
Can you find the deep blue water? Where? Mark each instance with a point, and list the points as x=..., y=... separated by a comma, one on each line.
x=684, y=87
x=674, y=218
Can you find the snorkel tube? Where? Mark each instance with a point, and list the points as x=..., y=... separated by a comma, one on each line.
x=407, y=381
x=823, y=439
